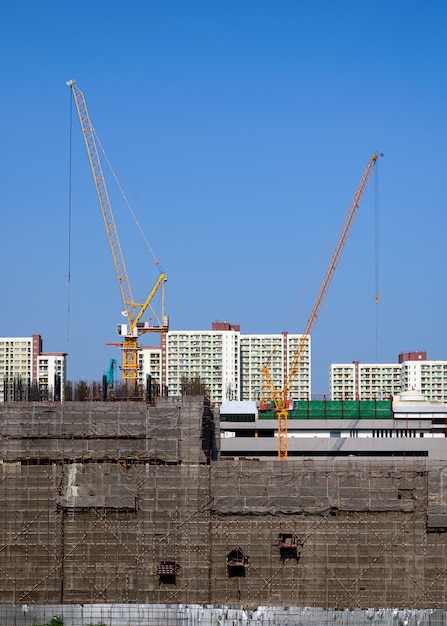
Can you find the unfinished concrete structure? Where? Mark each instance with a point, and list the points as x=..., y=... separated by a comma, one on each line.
x=107, y=504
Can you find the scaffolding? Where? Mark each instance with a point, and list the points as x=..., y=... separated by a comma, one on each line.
x=121, y=513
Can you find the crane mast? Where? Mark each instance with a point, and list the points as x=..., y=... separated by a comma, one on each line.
x=133, y=310
x=280, y=397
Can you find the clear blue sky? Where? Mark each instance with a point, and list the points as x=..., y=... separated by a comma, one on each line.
x=239, y=131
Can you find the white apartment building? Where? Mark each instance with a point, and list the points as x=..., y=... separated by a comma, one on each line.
x=25, y=369
x=428, y=377
x=227, y=362
x=52, y=375
x=213, y=356
x=366, y=381
x=276, y=353
x=150, y=364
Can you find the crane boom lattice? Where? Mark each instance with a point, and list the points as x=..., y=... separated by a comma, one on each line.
x=281, y=397
x=104, y=201
x=133, y=310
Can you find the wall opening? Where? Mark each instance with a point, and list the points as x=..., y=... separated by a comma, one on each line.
x=167, y=572
x=236, y=563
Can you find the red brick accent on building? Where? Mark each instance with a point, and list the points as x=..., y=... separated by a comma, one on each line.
x=35, y=352
x=225, y=326
x=416, y=355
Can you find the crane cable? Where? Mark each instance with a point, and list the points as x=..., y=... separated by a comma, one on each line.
x=376, y=264
x=314, y=275
x=69, y=214
x=127, y=202
x=376, y=255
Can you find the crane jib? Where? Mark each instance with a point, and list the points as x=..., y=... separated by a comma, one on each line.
x=281, y=397
x=133, y=315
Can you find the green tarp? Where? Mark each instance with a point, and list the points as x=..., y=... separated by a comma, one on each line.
x=337, y=409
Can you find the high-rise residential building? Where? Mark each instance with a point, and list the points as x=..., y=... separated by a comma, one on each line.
x=428, y=377
x=364, y=381
x=376, y=381
x=276, y=353
x=52, y=375
x=150, y=364
x=23, y=365
x=211, y=356
x=227, y=362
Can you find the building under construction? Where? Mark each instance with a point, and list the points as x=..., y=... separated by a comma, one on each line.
x=123, y=513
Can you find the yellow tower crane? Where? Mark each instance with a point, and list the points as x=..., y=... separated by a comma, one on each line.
x=133, y=311
x=280, y=397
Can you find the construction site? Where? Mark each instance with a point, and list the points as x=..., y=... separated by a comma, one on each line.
x=123, y=513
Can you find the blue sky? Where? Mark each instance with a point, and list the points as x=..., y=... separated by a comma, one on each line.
x=239, y=131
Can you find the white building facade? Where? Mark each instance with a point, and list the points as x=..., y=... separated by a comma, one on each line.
x=25, y=369
x=408, y=425
x=428, y=377
x=211, y=356
x=227, y=362
x=277, y=354
x=150, y=364
x=377, y=381
x=52, y=375
x=364, y=381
